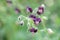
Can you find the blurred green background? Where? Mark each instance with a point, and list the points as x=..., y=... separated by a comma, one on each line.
x=9, y=30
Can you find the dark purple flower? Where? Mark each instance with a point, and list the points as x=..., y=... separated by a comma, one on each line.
x=37, y=21
x=33, y=30
x=29, y=9
x=17, y=10
x=40, y=10
x=32, y=16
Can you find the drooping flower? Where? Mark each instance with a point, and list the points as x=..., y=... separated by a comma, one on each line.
x=17, y=10
x=40, y=9
x=33, y=30
x=37, y=21
x=29, y=9
x=32, y=16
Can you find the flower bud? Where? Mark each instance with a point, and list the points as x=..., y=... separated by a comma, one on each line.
x=29, y=9
x=32, y=16
x=17, y=10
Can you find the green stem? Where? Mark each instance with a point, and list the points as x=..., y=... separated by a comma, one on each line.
x=44, y=26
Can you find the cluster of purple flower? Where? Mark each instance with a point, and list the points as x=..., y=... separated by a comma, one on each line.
x=39, y=11
x=29, y=9
x=35, y=19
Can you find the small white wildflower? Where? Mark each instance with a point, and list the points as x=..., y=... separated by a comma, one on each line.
x=42, y=5
x=50, y=31
x=19, y=18
x=21, y=22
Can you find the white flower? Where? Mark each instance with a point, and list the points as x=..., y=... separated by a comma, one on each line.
x=42, y=5
x=50, y=31
x=21, y=22
x=19, y=18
